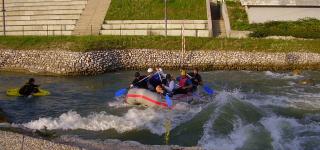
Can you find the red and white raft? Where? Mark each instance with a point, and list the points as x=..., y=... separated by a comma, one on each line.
x=144, y=97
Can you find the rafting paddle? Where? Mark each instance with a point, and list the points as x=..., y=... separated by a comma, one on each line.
x=208, y=90
x=123, y=91
x=169, y=101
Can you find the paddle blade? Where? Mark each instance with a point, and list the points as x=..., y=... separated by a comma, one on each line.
x=208, y=90
x=169, y=101
x=120, y=92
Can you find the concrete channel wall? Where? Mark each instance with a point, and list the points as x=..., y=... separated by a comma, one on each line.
x=95, y=62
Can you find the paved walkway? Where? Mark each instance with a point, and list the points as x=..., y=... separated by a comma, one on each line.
x=92, y=18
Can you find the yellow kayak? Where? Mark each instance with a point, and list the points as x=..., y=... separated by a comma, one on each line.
x=15, y=92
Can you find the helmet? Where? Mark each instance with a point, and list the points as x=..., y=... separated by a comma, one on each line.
x=150, y=70
x=183, y=72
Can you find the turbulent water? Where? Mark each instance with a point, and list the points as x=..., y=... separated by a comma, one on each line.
x=250, y=110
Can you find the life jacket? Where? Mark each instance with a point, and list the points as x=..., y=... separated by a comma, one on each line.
x=183, y=82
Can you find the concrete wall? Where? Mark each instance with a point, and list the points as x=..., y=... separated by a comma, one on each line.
x=196, y=28
x=225, y=16
x=263, y=14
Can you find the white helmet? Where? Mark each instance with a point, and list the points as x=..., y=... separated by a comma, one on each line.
x=150, y=70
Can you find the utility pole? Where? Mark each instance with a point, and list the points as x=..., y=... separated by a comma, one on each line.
x=3, y=18
x=165, y=17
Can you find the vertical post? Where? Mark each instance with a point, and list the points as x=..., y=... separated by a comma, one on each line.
x=3, y=18
x=91, y=30
x=47, y=30
x=61, y=30
x=165, y=17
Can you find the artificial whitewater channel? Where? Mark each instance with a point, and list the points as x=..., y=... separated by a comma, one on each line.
x=251, y=110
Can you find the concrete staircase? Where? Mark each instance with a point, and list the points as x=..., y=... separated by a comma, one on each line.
x=41, y=17
x=196, y=28
x=218, y=29
x=92, y=18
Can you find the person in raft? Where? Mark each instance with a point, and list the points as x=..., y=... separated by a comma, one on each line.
x=169, y=84
x=154, y=79
x=195, y=78
x=184, y=83
x=140, y=81
x=29, y=88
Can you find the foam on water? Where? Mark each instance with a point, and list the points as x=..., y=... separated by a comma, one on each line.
x=236, y=138
x=151, y=119
x=282, y=75
x=287, y=133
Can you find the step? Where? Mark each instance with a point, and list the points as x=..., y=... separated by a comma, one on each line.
x=78, y=2
x=41, y=22
x=153, y=26
x=194, y=33
x=66, y=7
x=39, y=28
x=44, y=12
x=43, y=33
x=155, y=21
x=42, y=17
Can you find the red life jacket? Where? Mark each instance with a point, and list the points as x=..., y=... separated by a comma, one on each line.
x=183, y=82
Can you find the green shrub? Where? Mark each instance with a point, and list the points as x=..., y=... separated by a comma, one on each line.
x=237, y=15
x=304, y=28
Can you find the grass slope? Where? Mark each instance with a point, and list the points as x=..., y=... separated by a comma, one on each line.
x=93, y=43
x=154, y=10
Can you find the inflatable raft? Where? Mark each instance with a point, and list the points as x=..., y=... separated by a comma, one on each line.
x=144, y=97
x=15, y=92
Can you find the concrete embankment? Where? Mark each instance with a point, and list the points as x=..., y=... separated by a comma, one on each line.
x=15, y=141
x=95, y=62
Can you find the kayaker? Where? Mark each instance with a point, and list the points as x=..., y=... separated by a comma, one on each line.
x=195, y=78
x=140, y=81
x=29, y=88
x=184, y=83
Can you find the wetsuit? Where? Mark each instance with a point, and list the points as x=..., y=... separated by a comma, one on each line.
x=142, y=84
x=28, y=89
x=154, y=81
x=196, y=80
x=183, y=82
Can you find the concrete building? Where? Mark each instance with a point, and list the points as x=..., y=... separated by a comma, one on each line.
x=260, y=11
